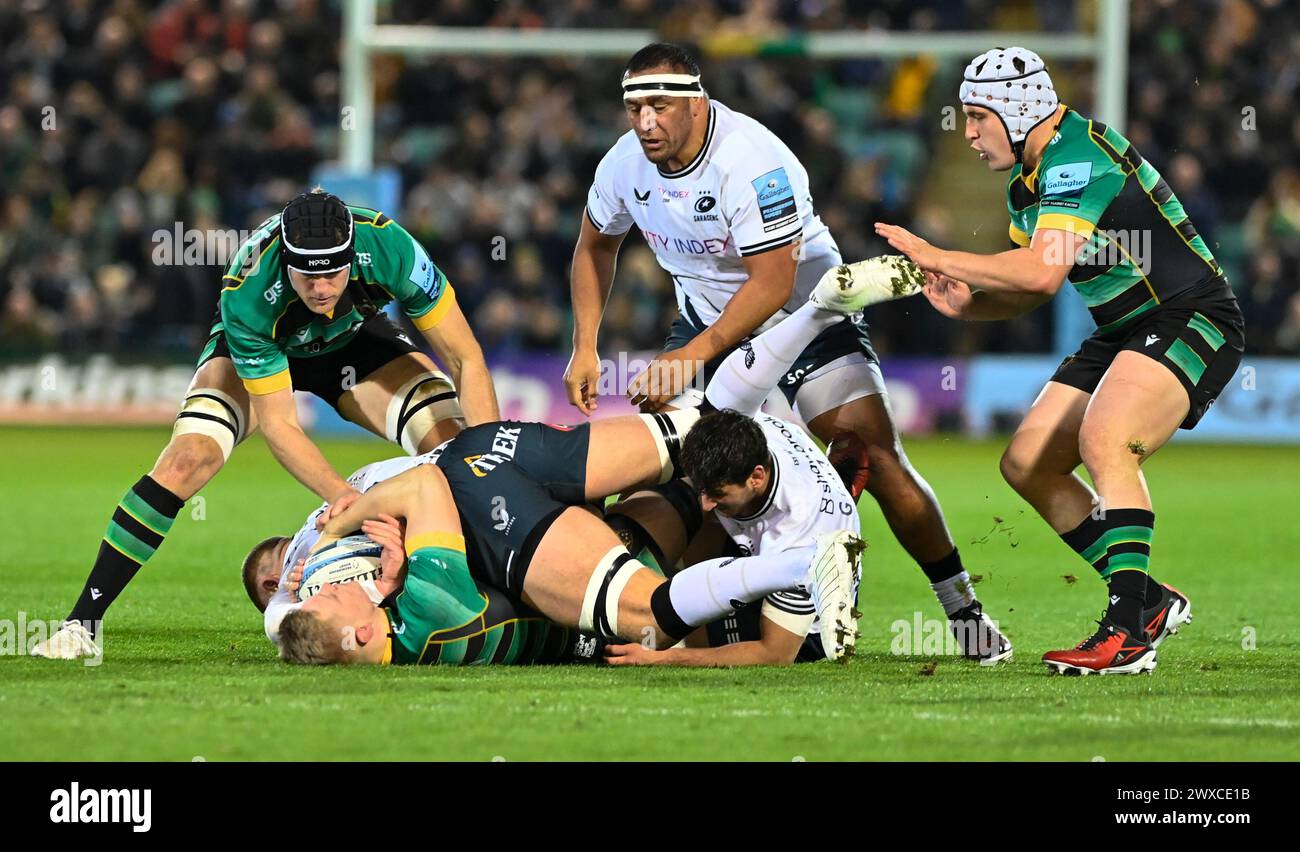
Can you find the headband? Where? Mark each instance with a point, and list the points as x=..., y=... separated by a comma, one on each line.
x=673, y=85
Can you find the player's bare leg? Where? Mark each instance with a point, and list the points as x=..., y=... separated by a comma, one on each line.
x=581, y=575
x=860, y=434
x=1134, y=411
x=1041, y=460
x=214, y=417
x=577, y=550
x=192, y=457
x=635, y=449
x=408, y=401
x=906, y=499
x=912, y=512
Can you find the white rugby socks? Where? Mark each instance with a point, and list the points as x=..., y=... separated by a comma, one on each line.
x=954, y=593
x=705, y=591
x=746, y=376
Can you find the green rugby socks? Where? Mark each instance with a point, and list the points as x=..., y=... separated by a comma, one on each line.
x=139, y=525
x=1118, y=546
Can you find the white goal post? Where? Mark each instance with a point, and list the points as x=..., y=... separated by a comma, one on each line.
x=363, y=38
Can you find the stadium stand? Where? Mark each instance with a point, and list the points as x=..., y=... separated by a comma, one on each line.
x=117, y=121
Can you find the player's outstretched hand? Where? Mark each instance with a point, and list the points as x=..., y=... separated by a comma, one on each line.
x=663, y=379
x=294, y=581
x=632, y=654
x=581, y=378
x=336, y=508
x=391, y=533
x=917, y=250
x=949, y=296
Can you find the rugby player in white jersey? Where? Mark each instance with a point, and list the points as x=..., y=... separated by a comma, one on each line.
x=726, y=208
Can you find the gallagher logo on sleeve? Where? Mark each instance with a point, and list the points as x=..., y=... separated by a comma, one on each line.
x=1068, y=181
x=424, y=274
x=775, y=195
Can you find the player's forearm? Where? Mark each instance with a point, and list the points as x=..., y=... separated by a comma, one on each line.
x=395, y=497
x=478, y=397
x=753, y=653
x=589, y=286
x=754, y=304
x=1018, y=271
x=303, y=459
x=990, y=306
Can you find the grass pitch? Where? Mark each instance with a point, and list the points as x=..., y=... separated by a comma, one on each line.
x=188, y=674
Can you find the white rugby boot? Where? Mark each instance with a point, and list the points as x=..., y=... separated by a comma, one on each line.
x=70, y=642
x=830, y=581
x=849, y=288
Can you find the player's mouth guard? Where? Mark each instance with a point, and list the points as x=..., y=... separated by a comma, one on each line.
x=372, y=591
x=672, y=85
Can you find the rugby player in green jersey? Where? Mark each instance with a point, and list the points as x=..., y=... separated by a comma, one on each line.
x=1083, y=205
x=301, y=307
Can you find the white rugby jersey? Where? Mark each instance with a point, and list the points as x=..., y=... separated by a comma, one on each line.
x=301, y=544
x=807, y=499
x=743, y=194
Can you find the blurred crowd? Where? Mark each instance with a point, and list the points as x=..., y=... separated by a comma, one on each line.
x=121, y=118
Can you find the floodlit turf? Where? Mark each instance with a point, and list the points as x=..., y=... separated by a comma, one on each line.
x=188, y=674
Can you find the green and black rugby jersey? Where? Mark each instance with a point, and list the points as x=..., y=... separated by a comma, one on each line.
x=1142, y=249
x=266, y=324
x=442, y=616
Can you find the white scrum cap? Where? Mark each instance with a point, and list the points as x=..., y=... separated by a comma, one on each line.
x=1013, y=83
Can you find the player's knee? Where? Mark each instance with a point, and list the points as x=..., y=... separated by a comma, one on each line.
x=887, y=465
x=1016, y=467
x=599, y=613
x=189, y=460
x=668, y=429
x=211, y=414
x=418, y=407
x=1103, y=448
x=849, y=457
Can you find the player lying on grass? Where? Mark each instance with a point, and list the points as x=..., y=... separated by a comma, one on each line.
x=301, y=308
x=271, y=583
x=1170, y=334
x=655, y=524
x=660, y=523
x=441, y=608
x=518, y=489
x=726, y=209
